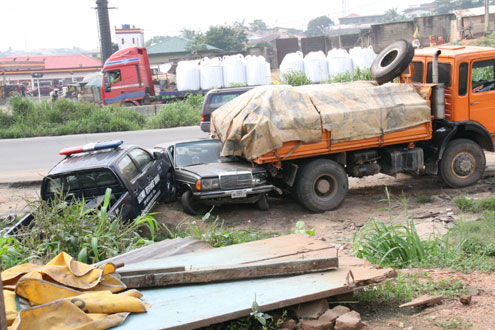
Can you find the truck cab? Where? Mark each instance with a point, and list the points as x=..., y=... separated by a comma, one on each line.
x=468, y=75
x=127, y=78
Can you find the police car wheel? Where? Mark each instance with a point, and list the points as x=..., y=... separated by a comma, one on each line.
x=170, y=188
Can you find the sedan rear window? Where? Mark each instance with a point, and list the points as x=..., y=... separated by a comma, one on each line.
x=218, y=100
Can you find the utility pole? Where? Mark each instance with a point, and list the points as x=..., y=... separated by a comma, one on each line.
x=487, y=17
x=104, y=29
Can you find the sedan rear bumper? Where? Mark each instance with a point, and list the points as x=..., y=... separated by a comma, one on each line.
x=228, y=193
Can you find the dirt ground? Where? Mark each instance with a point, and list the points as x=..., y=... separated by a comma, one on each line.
x=366, y=199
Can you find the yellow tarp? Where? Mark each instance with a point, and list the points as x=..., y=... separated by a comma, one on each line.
x=262, y=119
x=67, y=294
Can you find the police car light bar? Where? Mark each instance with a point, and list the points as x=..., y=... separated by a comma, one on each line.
x=91, y=147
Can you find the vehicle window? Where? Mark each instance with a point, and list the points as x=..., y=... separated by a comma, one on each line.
x=128, y=169
x=141, y=157
x=463, y=78
x=53, y=185
x=218, y=100
x=483, y=76
x=66, y=183
x=444, y=72
x=112, y=77
x=199, y=152
x=94, y=179
x=418, y=72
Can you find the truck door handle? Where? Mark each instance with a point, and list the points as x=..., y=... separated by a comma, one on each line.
x=473, y=103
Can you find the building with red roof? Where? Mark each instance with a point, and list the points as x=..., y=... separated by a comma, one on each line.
x=65, y=68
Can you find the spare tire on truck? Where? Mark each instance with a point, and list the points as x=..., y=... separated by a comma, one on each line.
x=392, y=61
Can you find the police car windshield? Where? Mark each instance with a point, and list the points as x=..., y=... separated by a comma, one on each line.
x=200, y=152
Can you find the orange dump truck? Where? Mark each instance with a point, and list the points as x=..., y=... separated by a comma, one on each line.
x=437, y=120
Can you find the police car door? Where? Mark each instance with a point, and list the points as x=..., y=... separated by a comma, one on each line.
x=148, y=181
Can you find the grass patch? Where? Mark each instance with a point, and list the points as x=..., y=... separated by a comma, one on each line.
x=67, y=225
x=64, y=117
x=356, y=74
x=453, y=323
x=295, y=78
x=213, y=231
x=424, y=199
x=466, y=248
x=470, y=205
x=406, y=287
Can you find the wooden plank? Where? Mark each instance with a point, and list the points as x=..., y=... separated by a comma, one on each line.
x=200, y=305
x=155, y=278
x=423, y=300
x=269, y=250
x=160, y=250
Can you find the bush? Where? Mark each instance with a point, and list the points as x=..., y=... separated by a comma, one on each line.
x=180, y=113
x=355, y=75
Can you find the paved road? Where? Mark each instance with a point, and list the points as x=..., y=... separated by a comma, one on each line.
x=29, y=159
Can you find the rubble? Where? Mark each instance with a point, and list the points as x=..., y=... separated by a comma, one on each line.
x=312, y=310
x=348, y=321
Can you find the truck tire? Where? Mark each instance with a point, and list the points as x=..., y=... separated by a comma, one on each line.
x=190, y=205
x=463, y=163
x=392, y=61
x=321, y=185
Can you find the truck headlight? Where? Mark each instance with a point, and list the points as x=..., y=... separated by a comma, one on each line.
x=259, y=179
x=210, y=184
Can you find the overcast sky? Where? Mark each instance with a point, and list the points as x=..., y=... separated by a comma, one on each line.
x=33, y=24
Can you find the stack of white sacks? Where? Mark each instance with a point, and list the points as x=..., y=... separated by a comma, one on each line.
x=319, y=68
x=219, y=72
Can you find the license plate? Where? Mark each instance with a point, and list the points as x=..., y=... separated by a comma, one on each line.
x=238, y=193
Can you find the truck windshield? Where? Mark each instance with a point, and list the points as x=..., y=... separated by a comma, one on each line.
x=200, y=152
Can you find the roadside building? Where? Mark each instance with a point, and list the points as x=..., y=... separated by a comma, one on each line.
x=128, y=36
x=175, y=49
x=55, y=70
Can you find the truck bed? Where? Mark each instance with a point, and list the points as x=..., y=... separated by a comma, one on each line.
x=295, y=149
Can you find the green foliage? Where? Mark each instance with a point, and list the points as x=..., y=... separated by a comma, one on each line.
x=392, y=15
x=226, y=38
x=468, y=204
x=196, y=45
x=448, y=6
x=409, y=286
x=318, y=26
x=487, y=41
x=479, y=235
x=295, y=78
x=355, y=75
x=66, y=117
x=11, y=252
x=88, y=235
x=301, y=230
x=258, y=25
x=182, y=113
x=453, y=323
x=423, y=199
x=189, y=34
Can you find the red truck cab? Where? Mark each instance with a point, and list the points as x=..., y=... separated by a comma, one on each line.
x=127, y=78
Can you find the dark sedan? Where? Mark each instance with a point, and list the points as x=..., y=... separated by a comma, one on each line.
x=44, y=90
x=204, y=178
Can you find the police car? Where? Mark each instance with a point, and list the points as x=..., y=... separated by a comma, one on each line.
x=138, y=178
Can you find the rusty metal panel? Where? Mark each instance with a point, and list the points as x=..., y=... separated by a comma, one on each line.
x=286, y=46
x=314, y=44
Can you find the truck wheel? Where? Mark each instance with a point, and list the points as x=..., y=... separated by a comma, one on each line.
x=463, y=163
x=262, y=203
x=321, y=185
x=190, y=205
x=392, y=61
x=170, y=188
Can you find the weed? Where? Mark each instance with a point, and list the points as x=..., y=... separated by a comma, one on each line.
x=181, y=113
x=453, y=323
x=301, y=230
x=406, y=287
x=65, y=224
x=356, y=74
x=465, y=204
x=295, y=78
x=424, y=199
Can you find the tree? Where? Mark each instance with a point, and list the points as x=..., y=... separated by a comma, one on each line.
x=318, y=26
x=155, y=40
x=392, y=15
x=226, y=38
x=197, y=44
x=257, y=26
x=189, y=34
x=448, y=6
